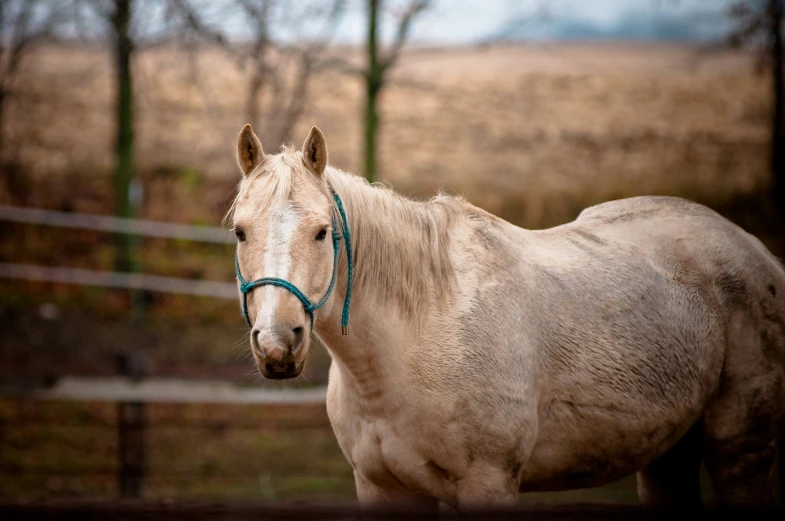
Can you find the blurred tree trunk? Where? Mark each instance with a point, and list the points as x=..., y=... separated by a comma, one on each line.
x=124, y=140
x=2, y=119
x=778, y=116
x=3, y=38
x=124, y=144
x=775, y=9
x=373, y=84
x=376, y=71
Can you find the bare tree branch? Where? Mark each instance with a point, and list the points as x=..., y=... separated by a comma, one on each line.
x=23, y=24
x=402, y=32
x=280, y=73
x=194, y=22
x=24, y=32
x=515, y=23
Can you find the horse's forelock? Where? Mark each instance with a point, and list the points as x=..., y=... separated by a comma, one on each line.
x=273, y=181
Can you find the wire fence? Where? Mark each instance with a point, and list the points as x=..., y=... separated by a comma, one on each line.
x=123, y=447
x=130, y=432
x=140, y=451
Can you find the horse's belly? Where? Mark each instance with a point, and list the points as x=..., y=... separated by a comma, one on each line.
x=582, y=446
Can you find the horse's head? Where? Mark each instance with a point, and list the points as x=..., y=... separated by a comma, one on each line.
x=284, y=220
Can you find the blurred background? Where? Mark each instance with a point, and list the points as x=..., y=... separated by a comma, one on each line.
x=124, y=362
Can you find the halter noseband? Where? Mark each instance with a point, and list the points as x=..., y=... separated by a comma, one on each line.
x=247, y=287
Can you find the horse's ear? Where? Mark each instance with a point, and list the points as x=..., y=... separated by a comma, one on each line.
x=249, y=150
x=315, y=151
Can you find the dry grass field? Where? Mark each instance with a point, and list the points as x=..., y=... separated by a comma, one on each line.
x=539, y=131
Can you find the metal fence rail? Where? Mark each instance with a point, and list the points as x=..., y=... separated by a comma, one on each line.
x=169, y=390
x=109, y=223
x=114, y=279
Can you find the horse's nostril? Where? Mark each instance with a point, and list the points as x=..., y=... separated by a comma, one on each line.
x=297, y=338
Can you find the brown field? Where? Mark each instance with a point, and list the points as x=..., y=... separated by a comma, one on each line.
x=544, y=129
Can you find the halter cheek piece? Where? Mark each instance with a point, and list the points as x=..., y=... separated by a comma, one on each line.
x=247, y=287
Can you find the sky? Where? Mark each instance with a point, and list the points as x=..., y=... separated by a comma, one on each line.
x=462, y=21
x=472, y=21
x=469, y=21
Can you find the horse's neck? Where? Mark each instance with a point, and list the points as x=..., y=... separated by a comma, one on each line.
x=370, y=352
x=378, y=331
x=373, y=348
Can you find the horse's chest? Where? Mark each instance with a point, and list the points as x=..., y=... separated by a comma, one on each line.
x=390, y=457
x=372, y=457
x=395, y=452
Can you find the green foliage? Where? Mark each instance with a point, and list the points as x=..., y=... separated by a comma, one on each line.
x=191, y=178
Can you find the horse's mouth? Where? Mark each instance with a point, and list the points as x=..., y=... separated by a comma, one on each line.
x=281, y=370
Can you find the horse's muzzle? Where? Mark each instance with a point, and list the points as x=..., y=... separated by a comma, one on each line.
x=279, y=351
x=275, y=370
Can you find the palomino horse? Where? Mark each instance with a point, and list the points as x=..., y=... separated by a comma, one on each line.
x=473, y=359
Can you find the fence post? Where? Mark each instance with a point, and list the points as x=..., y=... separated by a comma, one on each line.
x=130, y=430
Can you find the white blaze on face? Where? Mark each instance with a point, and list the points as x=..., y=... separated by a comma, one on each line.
x=283, y=223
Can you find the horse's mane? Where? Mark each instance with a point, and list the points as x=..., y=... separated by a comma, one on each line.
x=411, y=266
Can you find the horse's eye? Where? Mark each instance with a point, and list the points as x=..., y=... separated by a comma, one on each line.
x=321, y=235
x=240, y=235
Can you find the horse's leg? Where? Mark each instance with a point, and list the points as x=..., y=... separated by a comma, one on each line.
x=373, y=498
x=740, y=460
x=673, y=479
x=744, y=421
x=487, y=487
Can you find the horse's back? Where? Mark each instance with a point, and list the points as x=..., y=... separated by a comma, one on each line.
x=633, y=208
x=676, y=231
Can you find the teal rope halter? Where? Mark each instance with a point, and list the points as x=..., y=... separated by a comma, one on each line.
x=247, y=287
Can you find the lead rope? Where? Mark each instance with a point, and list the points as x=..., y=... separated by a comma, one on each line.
x=348, y=237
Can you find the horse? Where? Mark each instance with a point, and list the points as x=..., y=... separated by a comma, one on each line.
x=477, y=360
